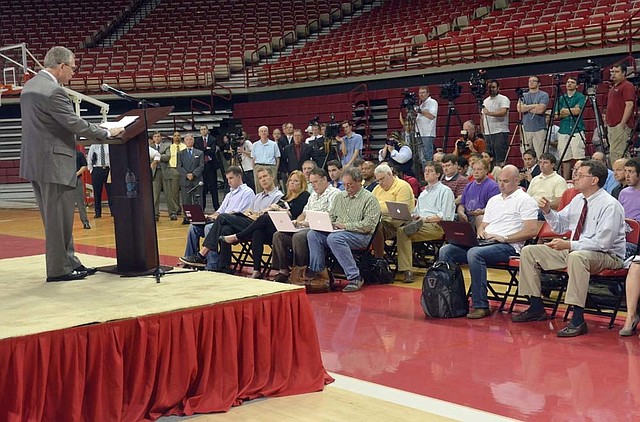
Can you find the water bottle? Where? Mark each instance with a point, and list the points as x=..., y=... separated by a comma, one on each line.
x=132, y=184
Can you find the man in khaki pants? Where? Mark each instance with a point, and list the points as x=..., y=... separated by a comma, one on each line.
x=596, y=221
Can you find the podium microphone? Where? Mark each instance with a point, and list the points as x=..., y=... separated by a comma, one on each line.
x=200, y=183
x=112, y=90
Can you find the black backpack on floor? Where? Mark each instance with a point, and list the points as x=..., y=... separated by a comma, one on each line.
x=443, y=291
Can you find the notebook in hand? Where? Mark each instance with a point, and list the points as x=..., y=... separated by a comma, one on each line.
x=462, y=234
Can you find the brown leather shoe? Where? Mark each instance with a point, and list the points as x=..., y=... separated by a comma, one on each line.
x=479, y=313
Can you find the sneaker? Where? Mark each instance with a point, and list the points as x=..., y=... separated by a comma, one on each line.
x=194, y=260
x=412, y=227
x=353, y=286
x=479, y=313
x=408, y=277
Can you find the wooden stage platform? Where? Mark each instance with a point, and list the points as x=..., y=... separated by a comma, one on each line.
x=109, y=348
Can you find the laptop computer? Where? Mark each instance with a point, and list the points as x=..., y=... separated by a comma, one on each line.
x=398, y=210
x=194, y=214
x=462, y=234
x=282, y=221
x=320, y=221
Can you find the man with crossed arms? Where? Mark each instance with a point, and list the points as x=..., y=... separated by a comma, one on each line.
x=596, y=221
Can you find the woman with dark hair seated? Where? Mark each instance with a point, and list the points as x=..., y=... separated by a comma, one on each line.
x=632, y=285
x=261, y=231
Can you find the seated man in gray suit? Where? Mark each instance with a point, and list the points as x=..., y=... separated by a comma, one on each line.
x=48, y=158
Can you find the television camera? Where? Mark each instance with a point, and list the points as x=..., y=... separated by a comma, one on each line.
x=450, y=90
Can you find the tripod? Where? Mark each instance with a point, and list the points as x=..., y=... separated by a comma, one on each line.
x=517, y=131
x=410, y=129
x=451, y=111
x=555, y=105
x=590, y=91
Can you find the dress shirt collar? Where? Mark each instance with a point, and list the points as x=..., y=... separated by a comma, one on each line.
x=50, y=75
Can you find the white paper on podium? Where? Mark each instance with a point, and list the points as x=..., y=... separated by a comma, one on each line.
x=124, y=122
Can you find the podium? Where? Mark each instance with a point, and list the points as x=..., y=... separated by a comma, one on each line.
x=134, y=216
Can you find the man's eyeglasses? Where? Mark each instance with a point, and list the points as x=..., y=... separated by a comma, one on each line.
x=73, y=68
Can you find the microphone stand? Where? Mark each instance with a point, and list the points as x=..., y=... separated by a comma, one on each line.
x=144, y=104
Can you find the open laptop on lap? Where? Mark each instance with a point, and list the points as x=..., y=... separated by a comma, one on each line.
x=282, y=221
x=462, y=234
x=320, y=221
x=398, y=210
x=194, y=214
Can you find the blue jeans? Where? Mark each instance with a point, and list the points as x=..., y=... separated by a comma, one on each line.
x=477, y=257
x=340, y=244
x=427, y=148
x=196, y=231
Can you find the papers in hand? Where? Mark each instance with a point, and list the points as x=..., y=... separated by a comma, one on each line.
x=124, y=122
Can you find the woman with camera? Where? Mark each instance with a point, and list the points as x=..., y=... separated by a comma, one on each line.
x=261, y=231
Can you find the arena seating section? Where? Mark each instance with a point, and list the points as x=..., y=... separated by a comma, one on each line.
x=186, y=45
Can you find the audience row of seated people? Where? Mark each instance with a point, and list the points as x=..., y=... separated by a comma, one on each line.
x=506, y=205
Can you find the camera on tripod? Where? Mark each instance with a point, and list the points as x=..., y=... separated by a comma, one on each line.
x=236, y=139
x=591, y=74
x=520, y=92
x=332, y=130
x=409, y=100
x=478, y=84
x=450, y=90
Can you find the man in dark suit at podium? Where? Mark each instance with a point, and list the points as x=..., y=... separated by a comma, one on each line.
x=190, y=167
x=207, y=144
x=48, y=158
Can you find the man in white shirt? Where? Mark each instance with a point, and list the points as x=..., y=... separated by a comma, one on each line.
x=596, y=222
x=426, y=122
x=495, y=122
x=510, y=219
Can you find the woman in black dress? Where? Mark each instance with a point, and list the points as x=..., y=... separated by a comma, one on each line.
x=261, y=231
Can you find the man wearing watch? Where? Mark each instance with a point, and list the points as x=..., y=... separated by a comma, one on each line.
x=510, y=219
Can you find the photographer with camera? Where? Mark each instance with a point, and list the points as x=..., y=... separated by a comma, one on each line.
x=425, y=128
x=396, y=154
x=533, y=105
x=243, y=148
x=469, y=142
x=620, y=121
x=568, y=110
x=495, y=122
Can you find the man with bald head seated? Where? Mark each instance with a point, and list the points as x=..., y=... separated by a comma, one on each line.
x=510, y=219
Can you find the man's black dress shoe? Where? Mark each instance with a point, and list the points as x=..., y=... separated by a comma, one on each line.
x=572, y=331
x=97, y=216
x=88, y=270
x=528, y=316
x=73, y=275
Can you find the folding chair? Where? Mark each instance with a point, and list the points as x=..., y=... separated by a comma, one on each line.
x=614, y=280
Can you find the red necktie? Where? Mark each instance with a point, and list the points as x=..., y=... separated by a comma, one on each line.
x=583, y=218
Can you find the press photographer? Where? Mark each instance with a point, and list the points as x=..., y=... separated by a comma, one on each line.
x=495, y=122
x=469, y=142
x=397, y=154
x=240, y=148
x=425, y=120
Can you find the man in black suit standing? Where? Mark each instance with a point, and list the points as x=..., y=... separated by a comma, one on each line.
x=207, y=144
x=190, y=167
x=296, y=153
x=48, y=158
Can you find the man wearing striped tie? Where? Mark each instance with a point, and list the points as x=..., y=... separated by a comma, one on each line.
x=596, y=222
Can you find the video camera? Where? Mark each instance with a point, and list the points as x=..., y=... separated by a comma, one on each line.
x=521, y=91
x=478, y=84
x=591, y=74
x=450, y=90
x=315, y=121
x=409, y=100
x=462, y=145
x=236, y=139
x=332, y=129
